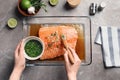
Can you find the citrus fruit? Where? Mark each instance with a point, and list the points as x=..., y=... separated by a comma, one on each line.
x=12, y=22
x=25, y=4
x=53, y=2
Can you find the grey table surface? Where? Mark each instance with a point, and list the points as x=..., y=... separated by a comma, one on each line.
x=96, y=71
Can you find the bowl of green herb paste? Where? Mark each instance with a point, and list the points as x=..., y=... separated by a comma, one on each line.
x=33, y=48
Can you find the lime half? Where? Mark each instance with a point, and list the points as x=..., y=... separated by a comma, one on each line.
x=53, y=2
x=12, y=22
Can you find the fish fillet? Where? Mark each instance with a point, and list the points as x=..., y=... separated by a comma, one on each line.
x=51, y=36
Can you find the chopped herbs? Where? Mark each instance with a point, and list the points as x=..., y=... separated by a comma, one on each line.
x=54, y=34
x=50, y=44
x=63, y=37
x=54, y=37
x=33, y=48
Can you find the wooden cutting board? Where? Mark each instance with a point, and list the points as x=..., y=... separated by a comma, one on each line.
x=80, y=46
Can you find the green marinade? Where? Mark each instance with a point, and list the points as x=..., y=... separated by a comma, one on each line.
x=33, y=48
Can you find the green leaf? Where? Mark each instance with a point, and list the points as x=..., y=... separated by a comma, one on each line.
x=38, y=4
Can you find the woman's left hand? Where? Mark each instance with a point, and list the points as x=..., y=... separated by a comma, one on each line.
x=19, y=57
x=19, y=65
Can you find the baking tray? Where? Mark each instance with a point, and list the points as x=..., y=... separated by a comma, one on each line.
x=32, y=23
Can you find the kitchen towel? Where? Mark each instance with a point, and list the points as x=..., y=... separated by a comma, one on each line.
x=109, y=39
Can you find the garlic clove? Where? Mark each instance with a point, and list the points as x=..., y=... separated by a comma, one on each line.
x=31, y=10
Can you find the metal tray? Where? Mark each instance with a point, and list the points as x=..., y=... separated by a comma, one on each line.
x=80, y=20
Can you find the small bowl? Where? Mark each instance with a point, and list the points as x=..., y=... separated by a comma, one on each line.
x=33, y=38
x=24, y=12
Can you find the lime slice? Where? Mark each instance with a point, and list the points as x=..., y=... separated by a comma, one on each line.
x=53, y=2
x=12, y=22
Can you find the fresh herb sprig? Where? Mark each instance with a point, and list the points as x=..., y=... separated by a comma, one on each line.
x=38, y=4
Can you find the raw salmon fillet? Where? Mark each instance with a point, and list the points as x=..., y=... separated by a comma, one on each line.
x=51, y=36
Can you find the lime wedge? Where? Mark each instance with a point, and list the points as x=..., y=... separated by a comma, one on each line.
x=12, y=22
x=53, y=2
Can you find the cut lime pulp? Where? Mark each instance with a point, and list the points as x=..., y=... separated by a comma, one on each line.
x=53, y=2
x=12, y=22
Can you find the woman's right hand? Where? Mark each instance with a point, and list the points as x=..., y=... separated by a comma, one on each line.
x=72, y=69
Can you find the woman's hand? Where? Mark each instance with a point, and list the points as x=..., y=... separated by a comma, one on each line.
x=72, y=69
x=19, y=57
x=19, y=65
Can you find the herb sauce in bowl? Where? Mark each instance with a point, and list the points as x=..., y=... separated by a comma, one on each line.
x=33, y=48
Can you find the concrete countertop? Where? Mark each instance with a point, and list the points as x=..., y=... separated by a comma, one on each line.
x=96, y=71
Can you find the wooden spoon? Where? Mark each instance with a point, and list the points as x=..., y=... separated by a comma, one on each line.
x=66, y=47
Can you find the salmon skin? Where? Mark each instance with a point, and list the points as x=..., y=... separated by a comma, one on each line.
x=51, y=37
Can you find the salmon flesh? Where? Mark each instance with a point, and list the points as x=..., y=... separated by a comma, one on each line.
x=51, y=37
